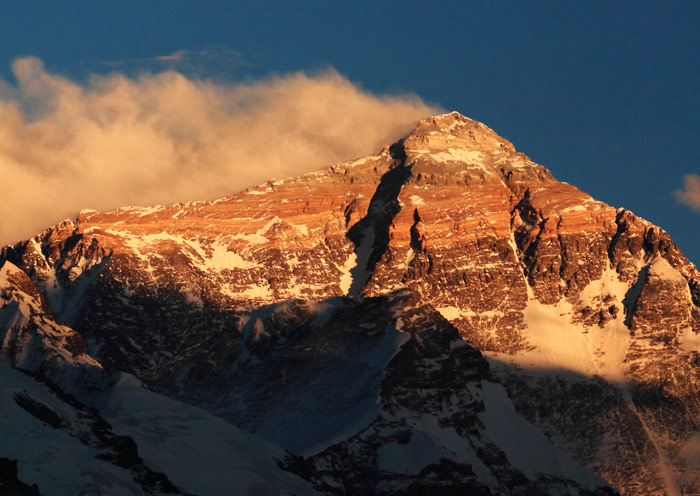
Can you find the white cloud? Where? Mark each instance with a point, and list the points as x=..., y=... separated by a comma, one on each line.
x=689, y=195
x=163, y=138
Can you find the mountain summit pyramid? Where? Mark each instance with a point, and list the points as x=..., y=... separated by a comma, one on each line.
x=441, y=316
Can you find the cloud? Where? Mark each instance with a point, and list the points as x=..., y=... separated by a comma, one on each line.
x=173, y=57
x=210, y=60
x=162, y=138
x=690, y=194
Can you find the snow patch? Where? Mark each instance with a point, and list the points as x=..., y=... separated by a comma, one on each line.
x=324, y=310
x=662, y=269
x=575, y=208
x=450, y=312
x=562, y=344
x=214, y=257
x=345, y=274
x=410, y=255
x=259, y=238
x=416, y=200
x=689, y=341
x=453, y=443
x=217, y=257
x=142, y=212
x=360, y=274
x=471, y=157
x=357, y=162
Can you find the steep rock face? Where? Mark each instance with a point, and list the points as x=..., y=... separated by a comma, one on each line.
x=32, y=340
x=572, y=301
x=62, y=265
x=443, y=427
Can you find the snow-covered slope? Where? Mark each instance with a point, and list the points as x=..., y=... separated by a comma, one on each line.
x=137, y=443
x=65, y=448
x=201, y=454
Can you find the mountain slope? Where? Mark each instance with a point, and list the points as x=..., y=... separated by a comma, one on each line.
x=588, y=315
x=136, y=443
x=69, y=427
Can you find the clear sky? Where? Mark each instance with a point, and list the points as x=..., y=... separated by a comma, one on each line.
x=605, y=94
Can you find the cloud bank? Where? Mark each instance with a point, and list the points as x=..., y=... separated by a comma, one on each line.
x=689, y=195
x=163, y=138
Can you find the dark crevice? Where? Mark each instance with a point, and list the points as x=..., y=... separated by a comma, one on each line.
x=370, y=235
x=694, y=286
x=419, y=263
x=526, y=242
x=10, y=485
x=13, y=254
x=622, y=226
x=416, y=233
x=632, y=295
x=519, y=203
x=563, y=248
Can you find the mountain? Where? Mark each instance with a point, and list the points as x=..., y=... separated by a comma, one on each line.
x=441, y=316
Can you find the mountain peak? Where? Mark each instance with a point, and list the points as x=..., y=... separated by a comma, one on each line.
x=453, y=130
x=454, y=147
x=368, y=273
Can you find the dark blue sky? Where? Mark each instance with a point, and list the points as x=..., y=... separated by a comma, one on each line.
x=604, y=94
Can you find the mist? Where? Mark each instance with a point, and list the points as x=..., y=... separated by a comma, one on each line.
x=161, y=138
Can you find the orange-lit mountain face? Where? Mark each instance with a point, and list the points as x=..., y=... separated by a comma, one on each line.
x=376, y=319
